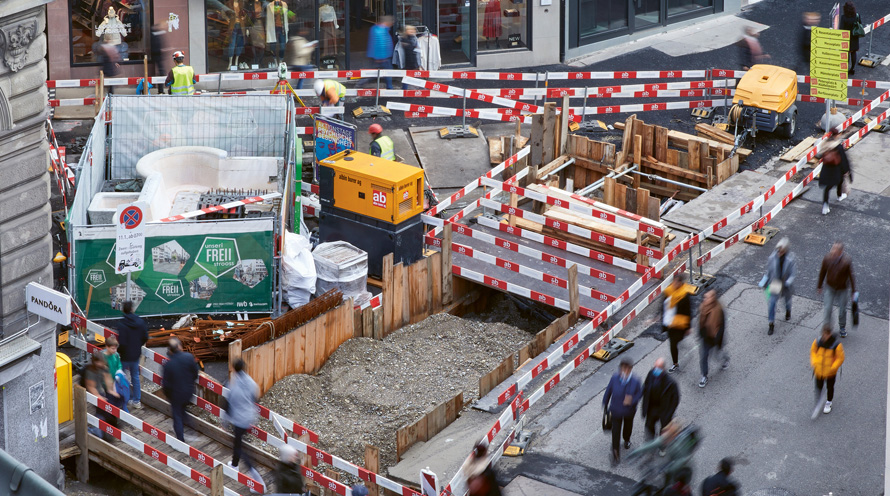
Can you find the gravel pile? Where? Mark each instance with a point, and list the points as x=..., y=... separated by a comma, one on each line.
x=368, y=389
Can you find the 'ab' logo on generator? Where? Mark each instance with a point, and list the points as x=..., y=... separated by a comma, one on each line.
x=218, y=256
x=379, y=199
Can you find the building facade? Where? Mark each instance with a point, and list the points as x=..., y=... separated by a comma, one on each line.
x=28, y=413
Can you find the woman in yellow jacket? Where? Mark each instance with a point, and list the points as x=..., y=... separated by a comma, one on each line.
x=826, y=357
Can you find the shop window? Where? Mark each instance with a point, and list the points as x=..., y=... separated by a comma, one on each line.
x=680, y=7
x=102, y=29
x=599, y=16
x=502, y=24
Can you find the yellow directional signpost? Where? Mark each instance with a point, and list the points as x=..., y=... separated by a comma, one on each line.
x=829, y=63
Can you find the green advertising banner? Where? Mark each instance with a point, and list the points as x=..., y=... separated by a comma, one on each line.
x=189, y=268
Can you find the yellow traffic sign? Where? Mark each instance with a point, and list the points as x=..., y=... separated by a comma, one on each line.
x=828, y=93
x=831, y=65
x=828, y=84
x=831, y=34
x=825, y=53
x=820, y=73
x=831, y=44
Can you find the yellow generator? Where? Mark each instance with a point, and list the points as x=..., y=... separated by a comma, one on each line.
x=764, y=100
x=374, y=204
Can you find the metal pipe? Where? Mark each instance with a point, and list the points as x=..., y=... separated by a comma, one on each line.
x=599, y=184
x=659, y=178
x=561, y=167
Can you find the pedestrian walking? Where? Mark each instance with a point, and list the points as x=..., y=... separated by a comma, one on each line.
x=680, y=487
x=241, y=397
x=181, y=78
x=409, y=44
x=111, y=60
x=661, y=397
x=810, y=20
x=380, y=48
x=826, y=357
x=850, y=20
x=381, y=145
x=288, y=477
x=678, y=444
x=751, y=51
x=712, y=332
x=132, y=335
x=112, y=358
x=98, y=382
x=621, y=398
x=781, y=269
x=178, y=382
x=835, y=169
x=481, y=478
x=159, y=47
x=720, y=484
x=298, y=53
x=677, y=315
x=835, y=281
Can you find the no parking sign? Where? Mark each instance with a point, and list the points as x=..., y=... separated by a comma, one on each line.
x=130, y=250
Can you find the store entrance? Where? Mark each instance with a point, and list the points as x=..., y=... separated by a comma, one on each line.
x=456, y=39
x=362, y=15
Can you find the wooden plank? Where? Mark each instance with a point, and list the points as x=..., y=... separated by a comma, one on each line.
x=429, y=304
x=406, y=295
x=630, y=199
x=661, y=143
x=548, y=153
x=217, y=484
x=300, y=350
x=638, y=149
x=447, y=283
x=593, y=223
x=81, y=438
x=564, y=125
x=673, y=157
x=795, y=153
x=368, y=322
x=723, y=171
x=655, y=210
x=676, y=171
x=620, y=196
x=234, y=352
x=642, y=202
x=695, y=156
x=609, y=191
x=387, y=291
x=435, y=420
x=311, y=330
x=357, y=322
x=680, y=139
x=574, y=302
x=495, y=150
x=552, y=165
x=415, y=292
x=705, y=150
x=269, y=366
x=290, y=352
x=714, y=133
x=648, y=138
x=372, y=464
x=436, y=279
x=127, y=466
x=456, y=404
x=536, y=152
x=710, y=177
x=280, y=360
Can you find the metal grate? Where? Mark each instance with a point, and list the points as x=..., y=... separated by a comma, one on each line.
x=242, y=125
x=405, y=206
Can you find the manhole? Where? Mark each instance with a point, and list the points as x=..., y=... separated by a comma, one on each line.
x=773, y=491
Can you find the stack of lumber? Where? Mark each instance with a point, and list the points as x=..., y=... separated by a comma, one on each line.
x=696, y=161
x=499, y=148
x=208, y=339
x=713, y=133
x=799, y=150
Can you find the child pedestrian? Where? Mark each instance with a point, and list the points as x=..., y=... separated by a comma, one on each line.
x=677, y=315
x=826, y=357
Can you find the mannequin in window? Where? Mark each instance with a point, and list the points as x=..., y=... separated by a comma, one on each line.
x=235, y=47
x=256, y=33
x=113, y=31
x=277, y=17
x=491, y=27
x=327, y=16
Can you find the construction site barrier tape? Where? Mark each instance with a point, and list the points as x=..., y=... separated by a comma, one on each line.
x=154, y=453
x=874, y=25
x=174, y=443
x=219, y=208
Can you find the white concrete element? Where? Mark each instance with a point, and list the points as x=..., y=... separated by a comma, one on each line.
x=104, y=205
x=197, y=169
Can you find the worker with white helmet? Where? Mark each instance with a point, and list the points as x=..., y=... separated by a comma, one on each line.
x=181, y=78
x=330, y=92
x=381, y=146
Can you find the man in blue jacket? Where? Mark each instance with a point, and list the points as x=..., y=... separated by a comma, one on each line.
x=380, y=48
x=179, y=376
x=621, y=398
x=133, y=336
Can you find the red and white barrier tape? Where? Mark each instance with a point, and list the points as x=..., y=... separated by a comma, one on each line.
x=874, y=25
x=220, y=208
x=174, y=443
x=524, y=250
x=473, y=95
x=154, y=453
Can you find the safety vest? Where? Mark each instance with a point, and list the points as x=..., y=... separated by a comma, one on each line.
x=183, y=80
x=387, y=150
x=330, y=83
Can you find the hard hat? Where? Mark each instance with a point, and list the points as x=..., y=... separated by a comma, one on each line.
x=178, y=54
x=319, y=87
x=375, y=129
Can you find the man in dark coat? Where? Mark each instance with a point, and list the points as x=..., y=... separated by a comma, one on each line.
x=661, y=396
x=835, y=165
x=178, y=382
x=133, y=336
x=720, y=484
x=621, y=398
x=288, y=478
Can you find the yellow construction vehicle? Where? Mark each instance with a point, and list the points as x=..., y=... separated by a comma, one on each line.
x=764, y=100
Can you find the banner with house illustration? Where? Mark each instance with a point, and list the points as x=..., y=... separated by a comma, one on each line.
x=220, y=267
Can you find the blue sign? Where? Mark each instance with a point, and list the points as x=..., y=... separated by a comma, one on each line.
x=332, y=136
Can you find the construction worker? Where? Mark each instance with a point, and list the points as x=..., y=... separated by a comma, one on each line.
x=381, y=146
x=330, y=92
x=181, y=78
